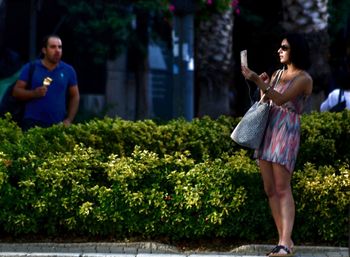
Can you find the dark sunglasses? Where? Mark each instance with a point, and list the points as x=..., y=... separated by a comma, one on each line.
x=284, y=47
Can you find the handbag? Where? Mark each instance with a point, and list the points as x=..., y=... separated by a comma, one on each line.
x=250, y=131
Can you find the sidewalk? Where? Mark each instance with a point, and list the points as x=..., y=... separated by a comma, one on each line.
x=149, y=249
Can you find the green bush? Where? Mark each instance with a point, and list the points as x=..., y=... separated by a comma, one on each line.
x=112, y=177
x=325, y=138
x=323, y=202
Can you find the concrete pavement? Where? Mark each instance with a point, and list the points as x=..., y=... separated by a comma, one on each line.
x=149, y=249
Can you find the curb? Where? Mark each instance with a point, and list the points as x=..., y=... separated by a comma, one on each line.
x=152, y=249
x=132, y=248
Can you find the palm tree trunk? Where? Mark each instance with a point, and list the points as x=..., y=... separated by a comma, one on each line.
x=214, y=65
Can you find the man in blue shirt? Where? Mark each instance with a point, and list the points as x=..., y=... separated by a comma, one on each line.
x=53, y=95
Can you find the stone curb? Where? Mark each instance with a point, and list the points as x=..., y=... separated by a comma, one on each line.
x=133, y=248
x=145, y=249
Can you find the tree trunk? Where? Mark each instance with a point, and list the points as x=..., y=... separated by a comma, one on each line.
x=214, y=97
x=214, y=65
x=2, y=22
x=34, y=4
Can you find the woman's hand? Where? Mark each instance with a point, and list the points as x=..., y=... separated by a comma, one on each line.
x=265, y=77
x=249, y=74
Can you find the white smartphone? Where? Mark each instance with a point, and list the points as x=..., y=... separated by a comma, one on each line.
x=244, y=58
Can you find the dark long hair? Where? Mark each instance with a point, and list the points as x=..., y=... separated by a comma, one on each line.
x=299, y=50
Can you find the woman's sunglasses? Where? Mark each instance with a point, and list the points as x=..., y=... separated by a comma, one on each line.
x=284, y=47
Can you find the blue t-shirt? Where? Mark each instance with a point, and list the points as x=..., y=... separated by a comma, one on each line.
x=51, y=108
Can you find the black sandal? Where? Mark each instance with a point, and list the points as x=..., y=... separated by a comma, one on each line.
x=276, y=251
x=271, y=251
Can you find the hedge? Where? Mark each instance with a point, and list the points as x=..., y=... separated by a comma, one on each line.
x=180, y=179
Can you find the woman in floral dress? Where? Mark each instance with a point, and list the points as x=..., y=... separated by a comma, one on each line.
x=279, y=149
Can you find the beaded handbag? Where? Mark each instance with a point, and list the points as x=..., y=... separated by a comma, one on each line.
x=250, y=131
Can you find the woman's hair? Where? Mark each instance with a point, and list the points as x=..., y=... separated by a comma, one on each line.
x=299, y=50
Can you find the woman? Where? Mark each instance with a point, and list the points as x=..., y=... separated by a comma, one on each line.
x=278, y=151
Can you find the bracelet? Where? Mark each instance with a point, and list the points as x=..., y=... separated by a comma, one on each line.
x=267, y=89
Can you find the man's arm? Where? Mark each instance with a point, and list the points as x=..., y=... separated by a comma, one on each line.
x=73, y=104
x=20, y=91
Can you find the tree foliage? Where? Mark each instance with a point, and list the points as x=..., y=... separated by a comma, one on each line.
x=101, y=28
x=339, y=14
x=104, y=28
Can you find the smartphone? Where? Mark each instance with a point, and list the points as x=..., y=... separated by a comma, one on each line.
x=244, y=58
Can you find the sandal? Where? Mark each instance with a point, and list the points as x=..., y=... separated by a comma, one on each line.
x=271, y=251
x=281, y=251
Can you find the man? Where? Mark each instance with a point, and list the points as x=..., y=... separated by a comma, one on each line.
x=53, y=95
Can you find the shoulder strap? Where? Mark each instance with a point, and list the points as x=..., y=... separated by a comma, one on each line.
x=341, y=92
x=278, y=77
x=31, y=71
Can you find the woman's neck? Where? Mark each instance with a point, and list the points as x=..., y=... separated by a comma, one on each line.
x=291, y=69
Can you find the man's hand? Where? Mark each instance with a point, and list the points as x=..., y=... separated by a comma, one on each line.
x=67, y=122
x=40, y=91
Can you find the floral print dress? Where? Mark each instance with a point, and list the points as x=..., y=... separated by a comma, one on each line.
x=282, y=136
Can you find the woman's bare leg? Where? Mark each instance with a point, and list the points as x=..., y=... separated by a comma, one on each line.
x=267, y=174
x=282, y=182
